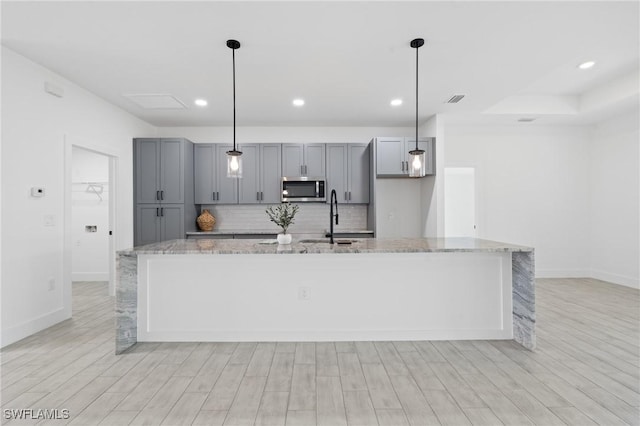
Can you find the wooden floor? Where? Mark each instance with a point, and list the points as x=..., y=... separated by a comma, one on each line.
x=584, y=372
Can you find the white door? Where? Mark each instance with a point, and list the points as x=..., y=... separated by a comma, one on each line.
x=459, y=202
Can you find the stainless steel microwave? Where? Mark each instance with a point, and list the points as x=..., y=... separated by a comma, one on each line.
x=303, y=189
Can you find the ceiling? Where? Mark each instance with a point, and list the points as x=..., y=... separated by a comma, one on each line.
x=346, y=59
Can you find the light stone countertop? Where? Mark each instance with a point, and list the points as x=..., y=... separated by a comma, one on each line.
x=363, y=245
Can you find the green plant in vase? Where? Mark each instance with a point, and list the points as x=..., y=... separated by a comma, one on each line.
x=283, y=216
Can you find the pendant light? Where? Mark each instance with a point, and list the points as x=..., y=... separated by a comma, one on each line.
x=417, y=157
x=234, y=157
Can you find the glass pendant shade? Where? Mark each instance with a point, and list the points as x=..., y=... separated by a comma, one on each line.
x=417, y=163
x=234, y=164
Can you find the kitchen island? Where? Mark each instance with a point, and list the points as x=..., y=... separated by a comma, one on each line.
x=372, y=289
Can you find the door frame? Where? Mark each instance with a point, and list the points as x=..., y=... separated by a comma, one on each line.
x=93, y=144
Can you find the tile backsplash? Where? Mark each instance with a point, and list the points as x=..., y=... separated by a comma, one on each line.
x=311, y=218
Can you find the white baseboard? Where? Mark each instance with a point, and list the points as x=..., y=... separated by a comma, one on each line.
x=616, y=278
x=598, y=275
x=89, y=276
x=18, y=332
x=562, y=273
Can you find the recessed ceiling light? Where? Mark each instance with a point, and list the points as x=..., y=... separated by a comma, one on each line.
x=396, y=102
x=586, y=65
x=201, y=102
x=298, y=102
x=526, y=119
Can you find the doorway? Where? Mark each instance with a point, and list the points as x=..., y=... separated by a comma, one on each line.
x=89, y=190
x=460, y=202
x=90, y=196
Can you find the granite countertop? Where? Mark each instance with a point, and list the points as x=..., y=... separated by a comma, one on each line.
x=271, y=232
x=364, y=245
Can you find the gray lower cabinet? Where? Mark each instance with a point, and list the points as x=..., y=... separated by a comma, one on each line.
x=159, y=222
x=303, y=160
x=348, y=172
x=212, y=186
x=163, y=197
x=392, y=155
x=261, y=179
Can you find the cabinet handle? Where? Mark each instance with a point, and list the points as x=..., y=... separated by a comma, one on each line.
x=161, y=195
x=261, y=196
x=349, y=195
x=161, y=211
x=257, y=195
x=402, y=165
x=157, y=212
x=217, y=196
x=158, y=195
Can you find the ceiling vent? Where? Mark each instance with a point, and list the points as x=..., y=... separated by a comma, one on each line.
x=455, y=99
x=156, y=101
x=526, y=119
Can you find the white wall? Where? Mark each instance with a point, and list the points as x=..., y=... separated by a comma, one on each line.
x=35, y=126
x=532, y=189
x=283, y=134
x=90, y=207
x=614, y=187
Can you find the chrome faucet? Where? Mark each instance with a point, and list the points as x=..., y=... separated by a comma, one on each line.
x=333, y=199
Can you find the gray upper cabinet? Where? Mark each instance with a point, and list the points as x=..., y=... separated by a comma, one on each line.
x=227, y=188
x=212, y=186
x=392, y=155
x=160, y=173
x=348, y=172
x=261, y=167
x=303, y=160
x=204, y=171
x=359, y=172
x=163, y=178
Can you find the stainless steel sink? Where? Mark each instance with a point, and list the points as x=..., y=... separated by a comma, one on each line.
x=340, y=241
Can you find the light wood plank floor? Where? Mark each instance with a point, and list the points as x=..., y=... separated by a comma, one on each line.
x=584, y=372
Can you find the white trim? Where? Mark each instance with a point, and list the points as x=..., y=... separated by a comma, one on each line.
x=90, y=276
x=18, y=332
x=320, y=335
x=613, y=278
x=562, y=273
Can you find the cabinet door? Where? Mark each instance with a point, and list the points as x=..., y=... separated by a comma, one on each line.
x=249, y=185
x=171, y=171
x=171, y=222
x=337, y=171
x=390, y=156
x=270, y=175
x=292, y=160
x=204, y=166
x=147, y=224
x=314, y=160
x=227, y=188
x=359, y=173
x=147, y=170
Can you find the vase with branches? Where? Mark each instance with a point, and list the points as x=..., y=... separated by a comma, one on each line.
x=283, y=215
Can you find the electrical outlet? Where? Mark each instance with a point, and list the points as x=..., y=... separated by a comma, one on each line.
x=52, y=284
x=49, y=220
x=303, y=293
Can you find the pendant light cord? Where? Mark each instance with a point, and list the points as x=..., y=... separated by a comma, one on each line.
x=234, y=98
x=417, y=48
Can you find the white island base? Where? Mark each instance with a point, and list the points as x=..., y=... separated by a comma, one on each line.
x=403, y=289
x=324, y=297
